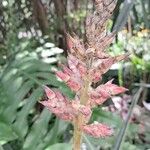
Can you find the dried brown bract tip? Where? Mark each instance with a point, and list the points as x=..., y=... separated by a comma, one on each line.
x=76, y=46
x=96, y=25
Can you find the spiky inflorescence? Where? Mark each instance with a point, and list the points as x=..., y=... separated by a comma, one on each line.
x=87, y=62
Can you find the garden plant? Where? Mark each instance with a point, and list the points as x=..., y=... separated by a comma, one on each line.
x=87, y=62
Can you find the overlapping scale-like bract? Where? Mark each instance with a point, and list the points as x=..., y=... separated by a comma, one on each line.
x=97, y=130
x=96, y=25
x=99, y=95
x=58, y=104
x=111, y=88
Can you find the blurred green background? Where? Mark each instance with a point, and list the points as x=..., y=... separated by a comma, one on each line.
x=33, y=44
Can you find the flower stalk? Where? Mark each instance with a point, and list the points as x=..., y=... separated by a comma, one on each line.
x=80, y=119
x=77, y=135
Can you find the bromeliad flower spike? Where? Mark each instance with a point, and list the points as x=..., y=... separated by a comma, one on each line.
x=87, y=62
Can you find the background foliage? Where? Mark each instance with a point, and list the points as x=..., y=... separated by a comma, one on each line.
x=33, y=44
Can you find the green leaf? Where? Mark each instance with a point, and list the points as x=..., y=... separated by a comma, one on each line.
x=58, y=128
x=123, y=130
x=88, y=142
x=129, y=146
x=59, y=146
x=38, y=131
x=107, y=117
x=122, y=18
x=6, y=132
x=21, y=120
x=1, y=148
x=20, y=90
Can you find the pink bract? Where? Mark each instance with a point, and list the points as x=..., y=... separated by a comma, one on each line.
x=97, y=130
